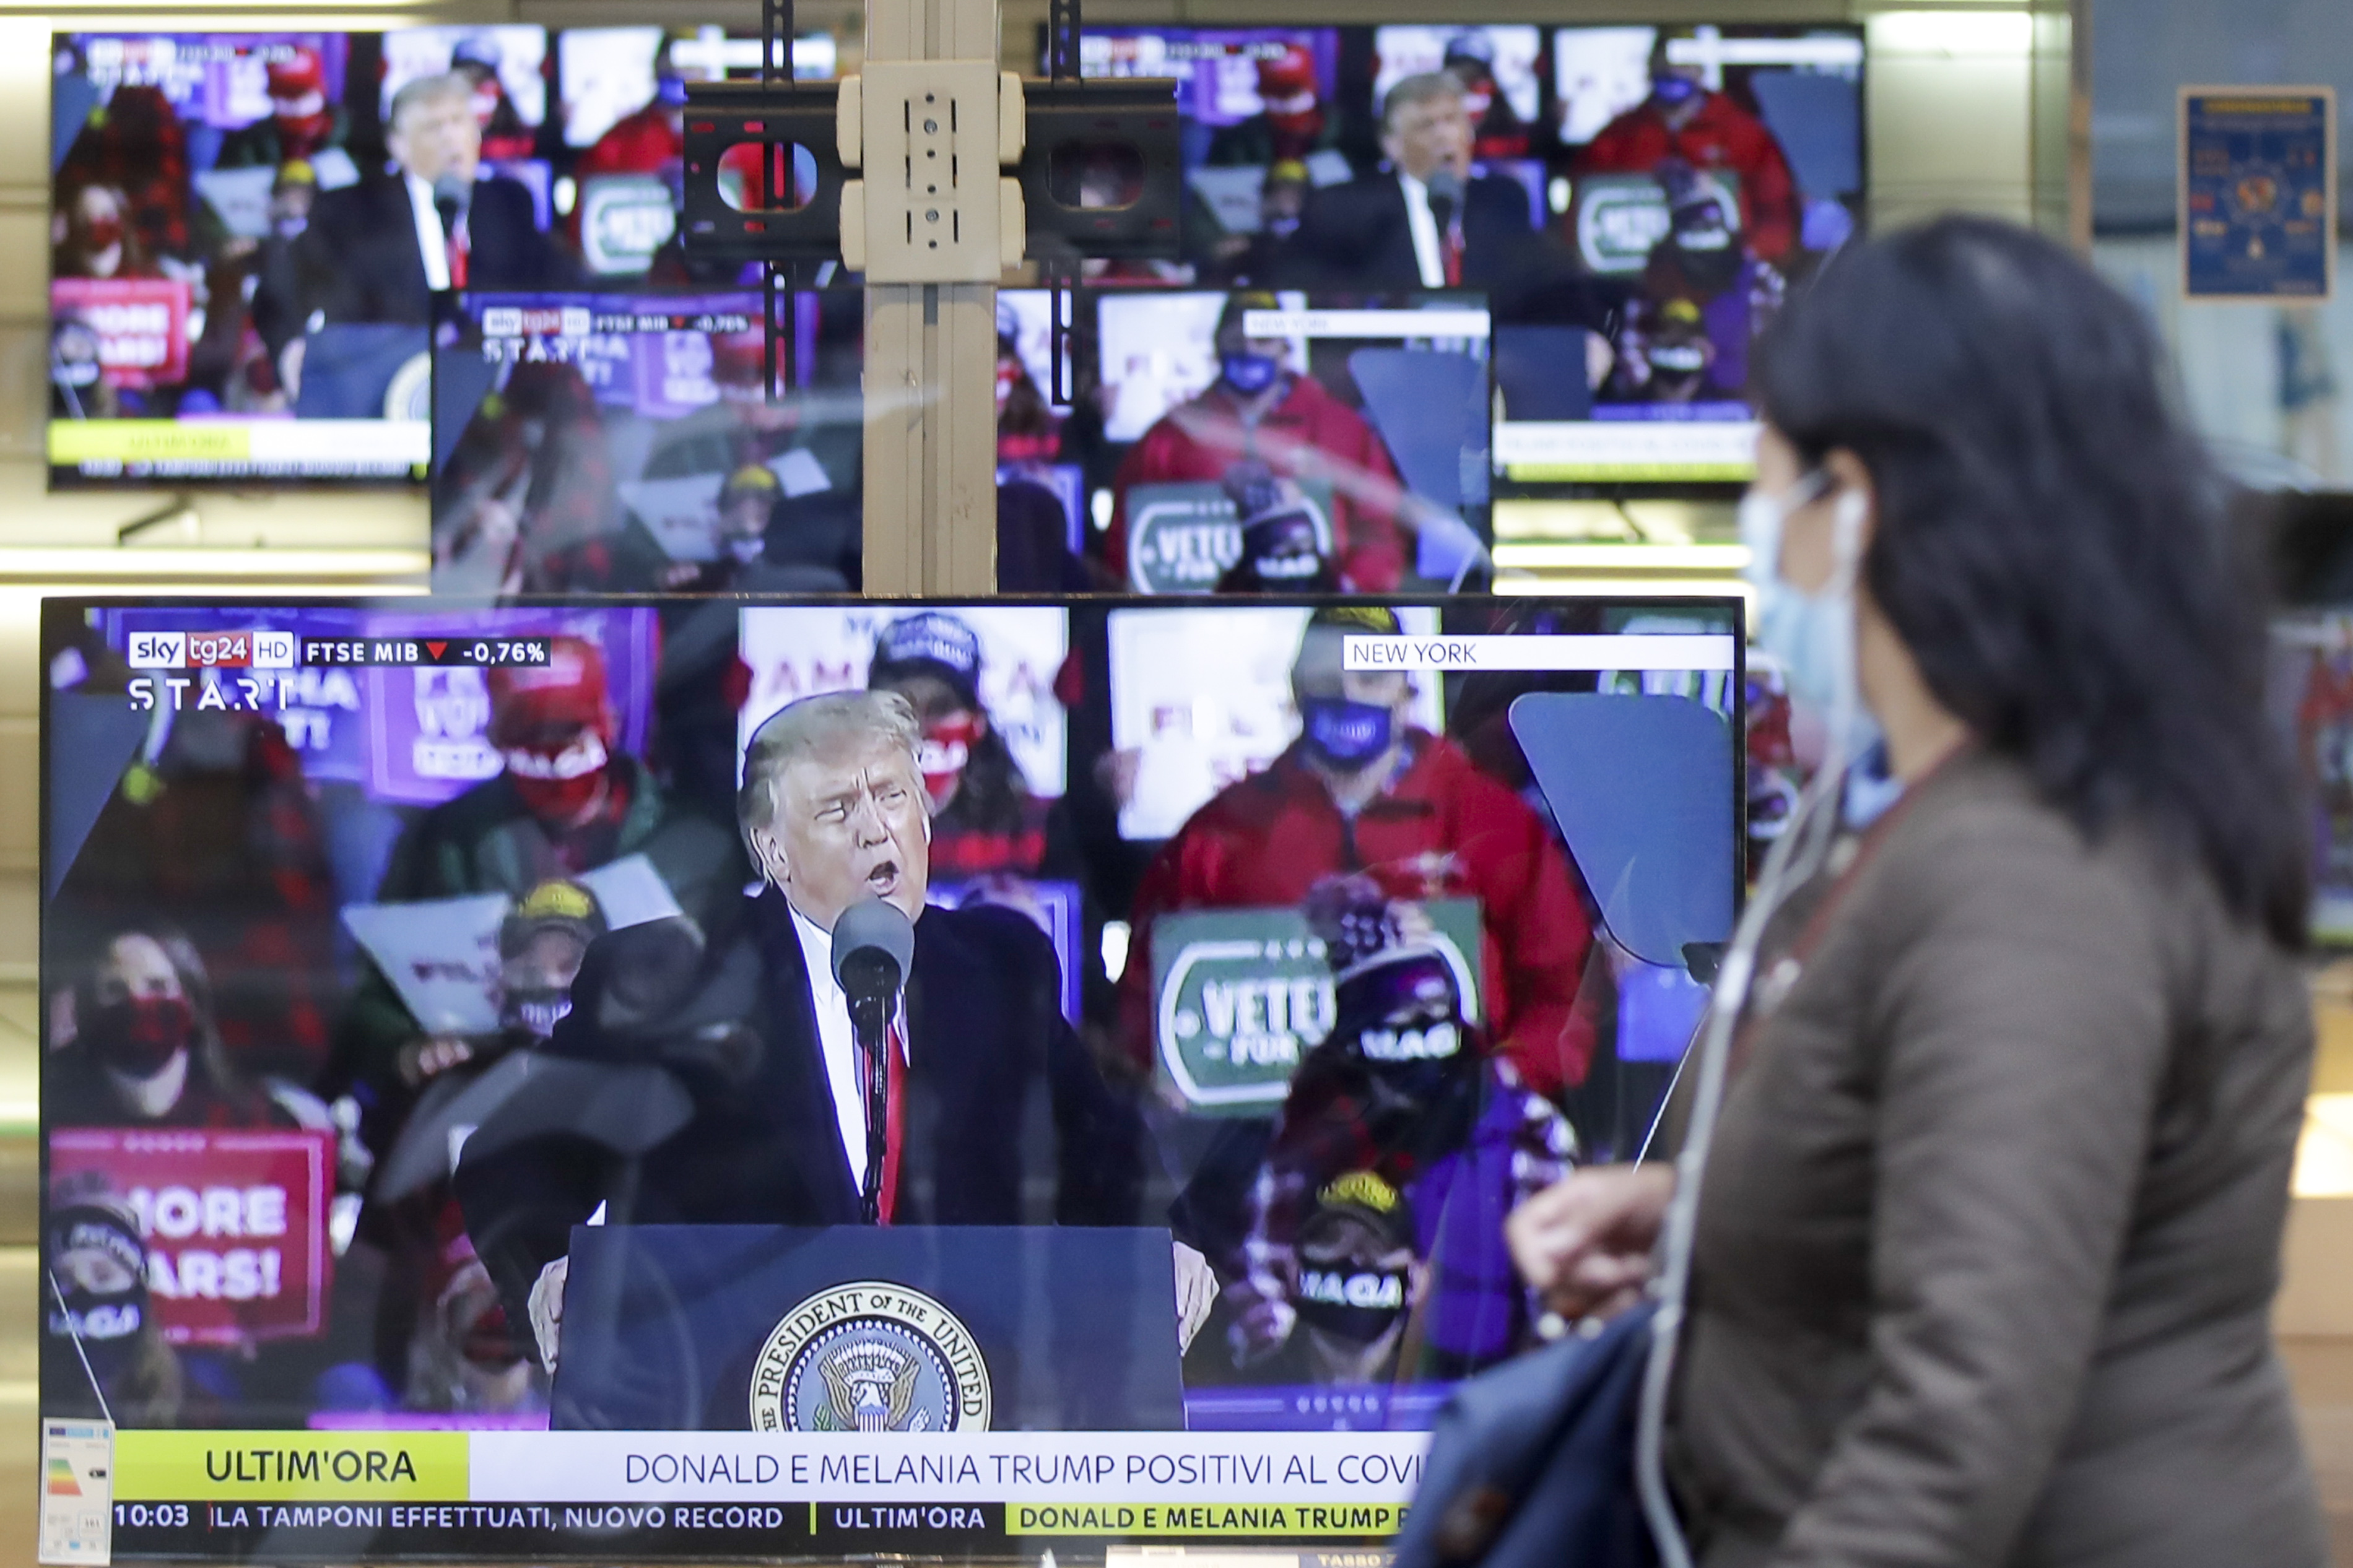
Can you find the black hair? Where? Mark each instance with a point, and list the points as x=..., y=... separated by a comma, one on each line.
x=992, y=796
x=2055, y=548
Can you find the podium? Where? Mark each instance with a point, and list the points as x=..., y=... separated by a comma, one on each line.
x=874, y=1328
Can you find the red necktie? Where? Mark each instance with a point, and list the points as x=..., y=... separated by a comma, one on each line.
x=1453, y=257
x=459, y=248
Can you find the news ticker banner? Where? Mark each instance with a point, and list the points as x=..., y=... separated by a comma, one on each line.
x=1668, y=652
x=251, y=647
x=1686, y=451
x=230, y=446
x=288, y=1495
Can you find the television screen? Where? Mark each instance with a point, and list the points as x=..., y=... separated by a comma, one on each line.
x=1705, y=171
x=627, y=443
x=621, y=91
x=1634, y=201
x=2311, y=698
x=706, y=1079
x=240, y=269
x=1247, y=440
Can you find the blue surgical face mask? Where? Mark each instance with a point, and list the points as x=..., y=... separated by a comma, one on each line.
x=1348, y=735
x=1249, y=374
x=1810, y=635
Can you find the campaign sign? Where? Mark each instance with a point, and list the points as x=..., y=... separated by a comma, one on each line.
x=141, y=324
x=1240, y=996
x=428, y=726
x=235, y=1223
x=672, y=374
x=1619, y=217
x=624, y=220
x=2258, y=194
x=1182, y=537
x=442, y=955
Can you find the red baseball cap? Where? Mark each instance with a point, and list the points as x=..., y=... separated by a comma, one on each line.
x=299, y=73
x=550, y=704
x=1288, y=74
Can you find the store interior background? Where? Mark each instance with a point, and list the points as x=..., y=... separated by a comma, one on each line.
x=1984, y=108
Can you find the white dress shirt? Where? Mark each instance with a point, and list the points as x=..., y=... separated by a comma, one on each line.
x=432, y=242
x=1428, y=256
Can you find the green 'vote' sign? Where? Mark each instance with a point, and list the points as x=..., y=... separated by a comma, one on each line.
x=1240, y=996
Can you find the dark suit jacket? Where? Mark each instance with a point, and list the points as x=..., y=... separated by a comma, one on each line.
x=732, y=1023
x=359, y=260
x=1356, y=236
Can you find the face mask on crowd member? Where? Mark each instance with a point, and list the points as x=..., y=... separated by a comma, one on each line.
x=94, y=1254
x=1251, y=365
x=944, y=752
x=553, y=726
x=561, y=781
x=1676, y=86
x=1350, y=720
x=298, y=102
x=541, y=945
x=1355, y=1276
x=746, y=503
x=933, y=660
x=135, y=1015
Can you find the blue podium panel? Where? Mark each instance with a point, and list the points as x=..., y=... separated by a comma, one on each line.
x=873, y=1329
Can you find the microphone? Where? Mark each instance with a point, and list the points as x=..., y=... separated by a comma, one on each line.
x=1445, y=188
x=873, y=944
x=452, y=196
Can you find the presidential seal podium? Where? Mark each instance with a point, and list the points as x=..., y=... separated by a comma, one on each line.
x=873, y=1329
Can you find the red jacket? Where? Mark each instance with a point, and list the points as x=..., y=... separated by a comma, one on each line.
x=640, y=144
x=1310, y=434
x=1720, y=135
x=1443, y=829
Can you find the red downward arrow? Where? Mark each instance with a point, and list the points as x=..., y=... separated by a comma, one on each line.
x=435, y=649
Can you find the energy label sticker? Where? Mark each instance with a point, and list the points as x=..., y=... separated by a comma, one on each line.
x=78, y=1491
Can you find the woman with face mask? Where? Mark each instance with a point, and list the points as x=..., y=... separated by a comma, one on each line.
x=134, y=1044
x=1973, y=1240
x=984, y=820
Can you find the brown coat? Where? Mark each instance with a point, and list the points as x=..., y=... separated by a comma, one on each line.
x=1992, y=1225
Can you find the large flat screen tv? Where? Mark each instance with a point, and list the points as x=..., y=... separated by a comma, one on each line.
x=719, y=1078
x=1246, y=440
x=1635, y=201
x=239, y=272
x=249, y=229
x=618, y=443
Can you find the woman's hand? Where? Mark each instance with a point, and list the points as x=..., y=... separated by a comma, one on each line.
x=1584, y=1243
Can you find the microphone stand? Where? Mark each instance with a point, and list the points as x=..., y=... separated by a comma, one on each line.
x=870, y=981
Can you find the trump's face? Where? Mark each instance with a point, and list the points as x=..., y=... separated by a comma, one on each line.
x=437, y=137
x=852, y=823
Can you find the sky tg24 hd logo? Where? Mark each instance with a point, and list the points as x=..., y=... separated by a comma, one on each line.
x=248, y=648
